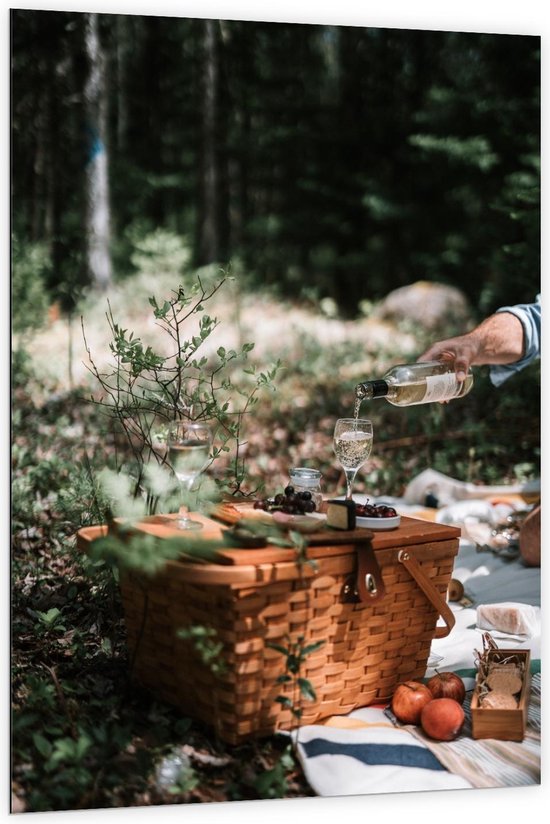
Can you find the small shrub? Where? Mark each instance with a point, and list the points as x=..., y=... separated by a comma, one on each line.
x=159, y=252
x=30, y=268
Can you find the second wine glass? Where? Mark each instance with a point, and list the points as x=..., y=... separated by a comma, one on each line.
x=352, y=446
x=189, y=446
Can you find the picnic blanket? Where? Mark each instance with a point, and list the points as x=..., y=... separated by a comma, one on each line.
x=369, y=752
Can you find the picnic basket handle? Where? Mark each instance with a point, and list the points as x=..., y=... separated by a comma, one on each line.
x=429, y=590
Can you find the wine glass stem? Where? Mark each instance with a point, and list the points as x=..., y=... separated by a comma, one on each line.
x=350, y=477
x=183, y=513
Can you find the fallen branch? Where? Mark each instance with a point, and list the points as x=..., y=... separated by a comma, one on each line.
x=421, y=440
x=418, y=440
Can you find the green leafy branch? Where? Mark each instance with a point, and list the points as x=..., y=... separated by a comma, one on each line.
x=206, y=645
x=148, y=554
x=295, y=654
x=143, y=390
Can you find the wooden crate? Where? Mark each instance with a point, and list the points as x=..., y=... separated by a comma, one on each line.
x=503, y=724
x=374, y=600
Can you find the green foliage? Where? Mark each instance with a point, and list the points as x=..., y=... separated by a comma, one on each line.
x=64, y=756
x=147, y=553
x=512, y=279
x=205, y=644
x=53, y=480
x=84, y=736
x=145, y=390
x=342, y=176
x=22, y=371
x=474, y=151
x=50, y=620
x=295, y=653
x=81, y=499
x=159, y=252
x=273, y=783
x=29, y=299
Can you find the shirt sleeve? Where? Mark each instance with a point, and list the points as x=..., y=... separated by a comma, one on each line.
x=530, y=316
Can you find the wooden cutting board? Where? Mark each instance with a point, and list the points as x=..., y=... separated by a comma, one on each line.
x=405, y=533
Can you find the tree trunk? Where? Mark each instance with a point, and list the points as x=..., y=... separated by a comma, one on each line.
x=209, y=235
x=39, y=212
x=123, y=45
x=97, y=168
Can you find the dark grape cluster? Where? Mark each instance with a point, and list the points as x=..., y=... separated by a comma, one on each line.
x=291, y=502
x=375, y=511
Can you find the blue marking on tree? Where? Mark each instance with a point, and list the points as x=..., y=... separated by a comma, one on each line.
x=95, y=143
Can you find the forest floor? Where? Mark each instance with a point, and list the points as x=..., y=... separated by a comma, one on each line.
x=84, y=734
x=279, y=328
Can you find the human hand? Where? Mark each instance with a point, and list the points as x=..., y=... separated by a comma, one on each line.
x=461, y=351
x=499, y=339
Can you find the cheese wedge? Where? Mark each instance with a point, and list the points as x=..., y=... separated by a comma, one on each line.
x=341, y=514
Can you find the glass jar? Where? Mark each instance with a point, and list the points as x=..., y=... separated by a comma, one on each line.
x=302, y=478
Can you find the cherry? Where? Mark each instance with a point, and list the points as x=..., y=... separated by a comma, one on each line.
x=375, y=511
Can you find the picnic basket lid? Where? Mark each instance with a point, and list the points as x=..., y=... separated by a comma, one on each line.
x=324, y=543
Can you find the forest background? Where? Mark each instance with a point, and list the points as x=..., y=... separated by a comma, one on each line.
x=322, y=168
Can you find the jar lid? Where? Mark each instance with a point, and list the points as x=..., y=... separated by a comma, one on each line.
x=305, y=476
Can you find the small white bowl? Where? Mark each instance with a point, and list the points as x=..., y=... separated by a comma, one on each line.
x=379, y=523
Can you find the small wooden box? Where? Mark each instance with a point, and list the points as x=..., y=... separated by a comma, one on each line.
x=503, y=724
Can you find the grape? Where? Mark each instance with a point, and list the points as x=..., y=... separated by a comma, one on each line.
x=289, y=502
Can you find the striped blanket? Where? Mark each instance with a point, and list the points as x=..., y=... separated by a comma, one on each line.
x=368, y=751
x=491, y=763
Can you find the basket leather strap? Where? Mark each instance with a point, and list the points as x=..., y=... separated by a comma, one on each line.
x=368, y=585
x=434, y=596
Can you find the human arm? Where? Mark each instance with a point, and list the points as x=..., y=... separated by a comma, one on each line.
x=497, y=340
x=507, y=341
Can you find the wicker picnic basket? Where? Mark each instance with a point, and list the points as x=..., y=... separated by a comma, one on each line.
x=374, y=600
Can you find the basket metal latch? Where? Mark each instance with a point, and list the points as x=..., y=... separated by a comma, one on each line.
x=366, y=584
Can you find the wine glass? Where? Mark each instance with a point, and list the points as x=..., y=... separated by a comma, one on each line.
x=189, y=447
x=352, y=446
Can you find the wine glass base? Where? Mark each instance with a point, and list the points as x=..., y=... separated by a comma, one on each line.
x=189, y=524
x=433, y=660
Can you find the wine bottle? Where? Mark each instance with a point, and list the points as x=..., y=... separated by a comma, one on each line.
x=414, y=383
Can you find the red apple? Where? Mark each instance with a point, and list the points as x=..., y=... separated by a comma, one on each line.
x=408, y=701
x=442, y=719
x=447, y=685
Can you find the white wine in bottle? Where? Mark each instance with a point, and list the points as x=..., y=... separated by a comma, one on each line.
x=415, y=383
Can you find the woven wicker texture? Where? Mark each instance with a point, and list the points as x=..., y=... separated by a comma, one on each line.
x=367, y=649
